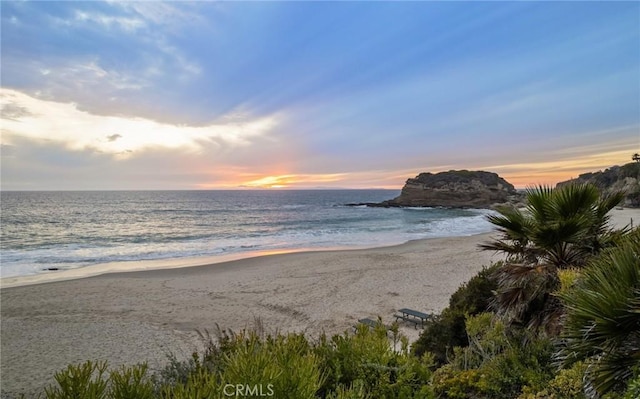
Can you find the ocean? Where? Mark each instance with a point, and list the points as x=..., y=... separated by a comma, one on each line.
x=41, y=231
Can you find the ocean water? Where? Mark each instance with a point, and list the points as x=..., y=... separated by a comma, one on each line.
x=64, y=230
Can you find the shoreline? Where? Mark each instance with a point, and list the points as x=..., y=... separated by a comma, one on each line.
x=124, y=267
x=141, y=266
x=134, y=316
x=130, y=317
x=619, y=218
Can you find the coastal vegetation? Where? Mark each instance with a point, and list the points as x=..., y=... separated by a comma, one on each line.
x=558, y=318
x=559, y=229
x=624, y=178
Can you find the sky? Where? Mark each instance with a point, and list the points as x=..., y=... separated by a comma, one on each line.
x=226, y=95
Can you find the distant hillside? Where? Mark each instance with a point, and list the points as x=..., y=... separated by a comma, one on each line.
x=624, y=178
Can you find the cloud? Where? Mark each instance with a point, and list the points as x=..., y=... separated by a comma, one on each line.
x=340, y=93
x=107, y=58
x=79, y=130
x=113, y=137
x=107, y=21
x=161, y=13
x=37, y=164
x=14, y=112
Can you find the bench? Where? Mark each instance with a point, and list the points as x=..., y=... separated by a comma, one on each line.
x=409, y=319
x=369, y=323
x=412, y=316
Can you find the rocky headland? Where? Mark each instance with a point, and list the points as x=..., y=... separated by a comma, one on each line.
x=454, y=189
x=625, y=178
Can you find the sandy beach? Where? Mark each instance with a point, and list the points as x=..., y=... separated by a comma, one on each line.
x=131, y=317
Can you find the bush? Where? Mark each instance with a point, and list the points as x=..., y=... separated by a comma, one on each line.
x=633, y=388
x=493, y=365
x=487, y=338
x=365, y=364
x=131, y=383
x=567, y=384
x=361, y=365
x=82, y=381
x=476, y=295
x=452, y=383
x=520, y=365
x=283, y=365
x=446, y=331
x=89, y=380
x=503, y=376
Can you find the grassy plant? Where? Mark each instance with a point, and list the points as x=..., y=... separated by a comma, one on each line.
x=199, y=384
x=283, y=364
x=82, y=381
x=567, y=279
x=131, y=383
x=367, y=364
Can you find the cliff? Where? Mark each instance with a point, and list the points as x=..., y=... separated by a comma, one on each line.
x=455, y=189
x=624, y=178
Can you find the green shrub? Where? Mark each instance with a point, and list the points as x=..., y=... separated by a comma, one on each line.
x=131, y=383
x=476, y=295
x=440, y=335
x=199, y=384
x=503, y=376
x=633, y=388
x=452, y=383
x=177, y=372
x=519, y=366
x=356, y=391
x=494, y=365
x=446, y=331
x=567, y=278
x=282, y=364
x=568, y=384
x=487, y=339
x=366, y=364
x=82, y=381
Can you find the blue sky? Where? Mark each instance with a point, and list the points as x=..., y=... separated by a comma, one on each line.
x=179, y=95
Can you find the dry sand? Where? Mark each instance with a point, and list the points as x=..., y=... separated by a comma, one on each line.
x=127, y=318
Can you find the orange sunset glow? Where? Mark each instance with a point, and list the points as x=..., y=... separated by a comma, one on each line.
x=312, y=105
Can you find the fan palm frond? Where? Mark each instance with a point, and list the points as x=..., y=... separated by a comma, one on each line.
x=603, y=316
x=559, y=228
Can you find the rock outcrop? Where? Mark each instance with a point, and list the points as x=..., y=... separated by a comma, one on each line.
x=455, y=189
x=625, y=178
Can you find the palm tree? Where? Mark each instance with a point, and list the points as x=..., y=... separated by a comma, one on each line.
x=559, y=228
x=603, y=318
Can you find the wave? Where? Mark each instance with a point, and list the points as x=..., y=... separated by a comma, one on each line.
x=192, y=225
